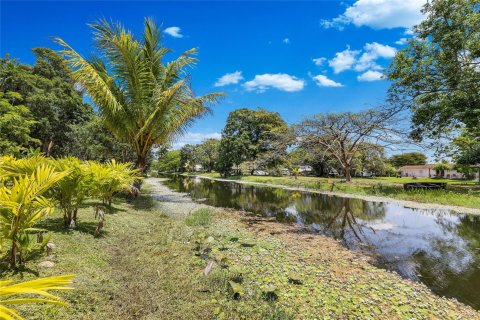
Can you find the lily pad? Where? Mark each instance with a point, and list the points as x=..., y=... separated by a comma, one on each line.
x=236, y=289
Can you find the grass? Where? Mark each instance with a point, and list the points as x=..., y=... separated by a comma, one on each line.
x=150, y=265
x=458, y=192
x=200, y=217
x=139, y=268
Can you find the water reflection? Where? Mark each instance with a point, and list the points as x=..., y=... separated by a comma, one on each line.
x=436, y=247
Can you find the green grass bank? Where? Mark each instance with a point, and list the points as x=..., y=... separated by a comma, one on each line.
x=174, y=259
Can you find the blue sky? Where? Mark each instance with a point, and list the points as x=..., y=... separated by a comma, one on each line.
x=296, y=58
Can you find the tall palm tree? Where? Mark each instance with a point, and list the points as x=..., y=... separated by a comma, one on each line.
x=142, y=99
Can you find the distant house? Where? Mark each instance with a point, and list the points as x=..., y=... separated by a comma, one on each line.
x=305, y=169
x=197, y=167
x=427, y=171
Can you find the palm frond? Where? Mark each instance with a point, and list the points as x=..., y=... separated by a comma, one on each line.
x=84, y=73
x=39, y=287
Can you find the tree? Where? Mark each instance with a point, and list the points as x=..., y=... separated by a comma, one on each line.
x=16, y=123
x=54, y=101
x=110, y=178
x=312, y=155
x=249, y=133
x=142, y=100
x=466, y=152
x=442, y=167
x=370, y=160
x=72, y=190
x=168, y=162
x=408, y=159
x=208, y=152
x=345, y=135
x=188, y=156
x=91, y=140
x=437, y=75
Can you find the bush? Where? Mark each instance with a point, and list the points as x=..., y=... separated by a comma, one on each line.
x=31, y=187
x=200, y=217
x=23, y=205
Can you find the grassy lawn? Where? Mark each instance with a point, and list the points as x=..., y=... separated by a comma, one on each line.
x=150, y=265
x=458, y=192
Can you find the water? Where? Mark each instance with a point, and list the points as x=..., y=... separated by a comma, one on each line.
x=437, y=247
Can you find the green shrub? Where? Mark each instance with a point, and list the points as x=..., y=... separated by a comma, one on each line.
x=200, y=217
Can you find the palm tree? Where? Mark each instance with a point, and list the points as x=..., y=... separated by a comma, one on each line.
x=23, y=205
x=142, y=100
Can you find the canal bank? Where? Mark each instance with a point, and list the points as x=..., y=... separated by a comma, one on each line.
x=405, y=203
x=308, y=276
x=436, y=247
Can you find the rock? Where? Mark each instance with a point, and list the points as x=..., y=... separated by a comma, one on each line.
x=208, y=268
x=51, y=245
x=49, y=248
x=46, y=264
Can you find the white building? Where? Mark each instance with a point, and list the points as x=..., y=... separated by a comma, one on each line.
x=427, y=171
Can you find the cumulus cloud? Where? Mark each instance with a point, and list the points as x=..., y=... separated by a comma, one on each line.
x=370, y=75
x=324, y=81
x=280, y=81
x=361, y=60
x=343, y=60
x=194, y=138
x=175, y=32
x=372, y=52
x=401, y=41
x=286, y=41
x=409, y=32
x=229, y=78
x=379, y=14
x=319, y=61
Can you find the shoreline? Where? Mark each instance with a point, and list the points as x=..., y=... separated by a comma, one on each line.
x=405, y=203
x=341, y=269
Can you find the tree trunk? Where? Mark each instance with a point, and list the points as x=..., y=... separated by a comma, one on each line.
x=70, y=218
x=348, y=176
x=140, y=164
x=47, y=148
x=13, y=254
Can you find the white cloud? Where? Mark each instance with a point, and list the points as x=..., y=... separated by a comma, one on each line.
x=323, y=81
x=379, y=14
x=319, y=61
x=286, y=41
x=194, y=138
x=409, y=32
x=229, y=78
x=372, y=52
x=280, y=81
x=361, y=60
x=401, y=41
x=370, y=76
x=343, y=60
x=175, y=32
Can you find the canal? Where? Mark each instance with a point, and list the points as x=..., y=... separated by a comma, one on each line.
x=436, y=247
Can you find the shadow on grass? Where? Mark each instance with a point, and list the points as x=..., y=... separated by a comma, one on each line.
x=56, y=225
x=116, y=207
x=143, y=202
x=5, y=271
